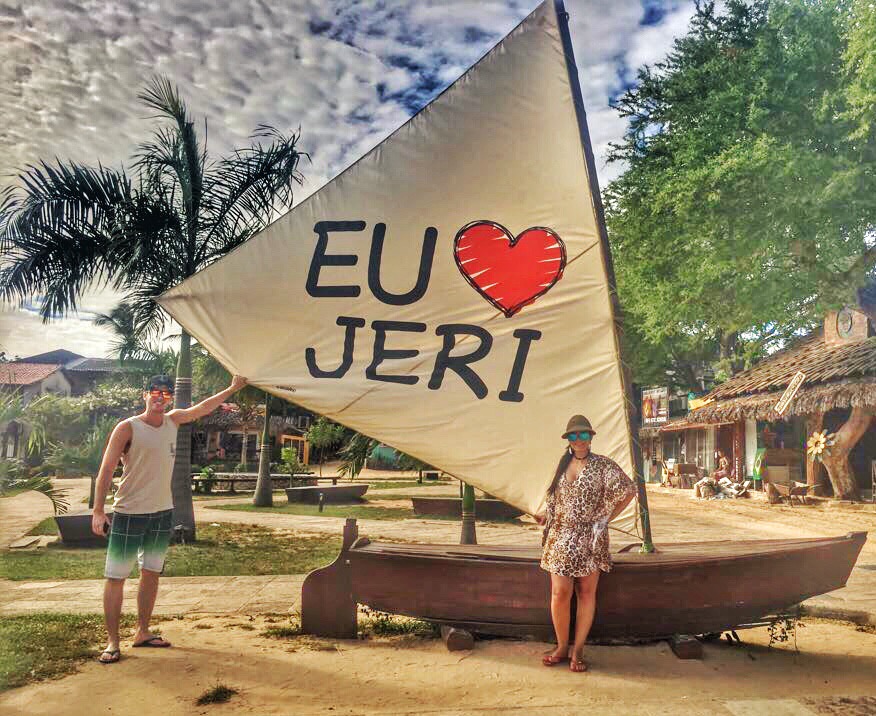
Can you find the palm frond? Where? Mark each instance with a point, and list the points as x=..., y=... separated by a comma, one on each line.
x=243, y=192
x=354, y=454
x=16, y=476
x=61, y=231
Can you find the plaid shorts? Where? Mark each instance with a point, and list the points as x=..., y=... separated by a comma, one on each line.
x=137, y=538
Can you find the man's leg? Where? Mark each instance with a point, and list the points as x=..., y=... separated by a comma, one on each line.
x=151, y=557
x=146, y=594
x=121, y=553
x=113, y=593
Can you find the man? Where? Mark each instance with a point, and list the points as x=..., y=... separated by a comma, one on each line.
x=141, y=524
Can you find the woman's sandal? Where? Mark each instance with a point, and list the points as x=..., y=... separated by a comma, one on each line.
x=550, y=659
x=578, y=665
x=114, y=656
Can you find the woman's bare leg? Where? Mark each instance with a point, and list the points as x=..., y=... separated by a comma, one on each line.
x=585, y=591
x=561, y=599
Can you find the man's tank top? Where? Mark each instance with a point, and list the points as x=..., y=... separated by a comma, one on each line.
x=148, y=468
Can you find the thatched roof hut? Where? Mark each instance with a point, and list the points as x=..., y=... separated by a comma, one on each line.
x=838, y=375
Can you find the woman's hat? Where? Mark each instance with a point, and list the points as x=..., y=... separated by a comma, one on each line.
x=578, y=423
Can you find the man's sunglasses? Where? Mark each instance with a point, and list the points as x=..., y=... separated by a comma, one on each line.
x=583, y=435
x=166, y=394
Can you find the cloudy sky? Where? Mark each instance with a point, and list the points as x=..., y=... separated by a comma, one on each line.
x=347, y=72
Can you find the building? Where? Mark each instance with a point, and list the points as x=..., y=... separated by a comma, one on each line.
x=837, y=395
x=84, y=373
x=28, y=380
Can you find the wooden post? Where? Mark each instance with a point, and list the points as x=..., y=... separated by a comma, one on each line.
x=469, y=535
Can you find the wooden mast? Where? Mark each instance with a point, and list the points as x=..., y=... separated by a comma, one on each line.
x=626, y=378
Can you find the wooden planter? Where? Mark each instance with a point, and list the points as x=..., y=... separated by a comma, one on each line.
x=485, y=509
x=331, y=493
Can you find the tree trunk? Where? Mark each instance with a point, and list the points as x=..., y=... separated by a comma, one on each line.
x=845, y=487
x=244, y=447
x=264, y=491
x=469, y=535
x=815, y=474
x=181, y=485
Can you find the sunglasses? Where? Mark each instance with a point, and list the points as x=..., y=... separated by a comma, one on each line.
x=166, y=394
x=583, y=435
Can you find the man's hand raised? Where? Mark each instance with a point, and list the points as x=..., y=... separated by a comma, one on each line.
x=238, y=382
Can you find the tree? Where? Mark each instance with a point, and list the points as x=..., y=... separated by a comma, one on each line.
x=68, y=226
x=324, y=435
x=748, y=202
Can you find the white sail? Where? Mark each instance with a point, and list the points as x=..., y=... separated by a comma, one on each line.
x=448, y=293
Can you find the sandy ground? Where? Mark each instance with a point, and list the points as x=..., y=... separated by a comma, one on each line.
x=831, y=674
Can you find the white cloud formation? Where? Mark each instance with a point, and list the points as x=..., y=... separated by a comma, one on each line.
x=347, y=73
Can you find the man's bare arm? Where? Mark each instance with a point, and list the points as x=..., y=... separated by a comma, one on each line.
x=115, y=447
x=182, y=416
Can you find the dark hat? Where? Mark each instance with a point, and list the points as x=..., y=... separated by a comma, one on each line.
x=160, y=381
x=577, y=423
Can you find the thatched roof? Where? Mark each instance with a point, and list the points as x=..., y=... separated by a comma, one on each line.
x=839, y=375
x=228, y=418
x=820, y=361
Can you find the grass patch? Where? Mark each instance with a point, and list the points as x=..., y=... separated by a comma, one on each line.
x=47, y=645
x=282, y=632
x=375, y=623
x=399, y=484
x=362, y=510
x=219, y=694
x=227, y=550
x=47, y=527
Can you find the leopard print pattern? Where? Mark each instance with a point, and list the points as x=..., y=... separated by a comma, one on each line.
x=574, y=546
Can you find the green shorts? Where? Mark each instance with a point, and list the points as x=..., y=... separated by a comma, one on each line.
x=137, y=538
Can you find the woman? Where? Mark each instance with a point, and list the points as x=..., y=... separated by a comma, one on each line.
x=587, y=492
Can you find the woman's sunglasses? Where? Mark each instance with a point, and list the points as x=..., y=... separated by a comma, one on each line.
x=583, y=435
x=166, y=394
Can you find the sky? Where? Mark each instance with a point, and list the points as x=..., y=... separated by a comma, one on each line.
x=346, y=72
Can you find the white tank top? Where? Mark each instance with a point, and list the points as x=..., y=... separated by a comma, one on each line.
x=147, y=469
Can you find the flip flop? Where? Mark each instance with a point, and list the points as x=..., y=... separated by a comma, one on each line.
x=577, y=665
x=115, y=655
x=549, y=659
x=151, y=642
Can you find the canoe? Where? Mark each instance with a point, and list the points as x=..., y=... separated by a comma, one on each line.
x=686, y=588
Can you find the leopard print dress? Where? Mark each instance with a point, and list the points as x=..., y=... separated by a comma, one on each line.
x=574, y=545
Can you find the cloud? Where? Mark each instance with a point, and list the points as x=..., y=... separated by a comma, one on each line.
x=347, y=73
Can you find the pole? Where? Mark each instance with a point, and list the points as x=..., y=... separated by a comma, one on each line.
x=626, y=381
x=469, y=535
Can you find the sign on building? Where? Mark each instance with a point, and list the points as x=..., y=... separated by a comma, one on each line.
x=655, y=406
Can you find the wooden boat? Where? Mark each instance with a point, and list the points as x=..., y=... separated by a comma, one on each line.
x=686, y=588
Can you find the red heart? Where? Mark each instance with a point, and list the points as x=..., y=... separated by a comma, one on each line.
x=509, y=271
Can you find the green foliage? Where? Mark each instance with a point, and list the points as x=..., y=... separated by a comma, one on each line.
x=84, y=456
x=861, y=70
x=408, y=462
x=383, y=624
x=354, y=455
x=324, y=435
x=746, y=204
x=17, y=477
x=291, y=463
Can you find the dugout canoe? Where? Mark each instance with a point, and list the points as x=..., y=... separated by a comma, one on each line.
x=684, y=588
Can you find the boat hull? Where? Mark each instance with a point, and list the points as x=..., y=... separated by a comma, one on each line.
x=691, y=588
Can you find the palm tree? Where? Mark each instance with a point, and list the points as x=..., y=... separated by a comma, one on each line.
x=68, y=226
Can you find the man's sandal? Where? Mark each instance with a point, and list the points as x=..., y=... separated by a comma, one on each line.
x=156, y=642
x=114, y=656
x=550, y=659
x=578, y=665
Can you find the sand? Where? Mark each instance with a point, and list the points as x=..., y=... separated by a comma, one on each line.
x=833, y=673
